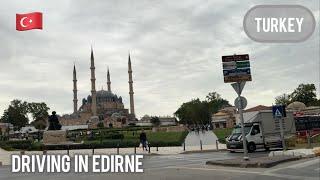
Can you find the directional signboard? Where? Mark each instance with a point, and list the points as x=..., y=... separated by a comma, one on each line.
x=240, y=57
x=243, y=64
x=236, y=68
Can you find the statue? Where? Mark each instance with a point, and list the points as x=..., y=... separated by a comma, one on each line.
x=54, y=122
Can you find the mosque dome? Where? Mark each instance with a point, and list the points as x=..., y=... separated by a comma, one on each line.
x=296, y=106
x=105, y=96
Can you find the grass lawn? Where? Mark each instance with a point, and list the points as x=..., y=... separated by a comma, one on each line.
x=222, y=133
x=159, y=138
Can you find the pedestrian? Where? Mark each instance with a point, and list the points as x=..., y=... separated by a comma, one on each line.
x=143, y=140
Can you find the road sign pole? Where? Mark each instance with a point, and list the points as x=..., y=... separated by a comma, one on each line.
x=244, y=139
x=282, y=134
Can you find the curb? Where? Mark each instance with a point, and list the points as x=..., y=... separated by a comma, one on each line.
x=244, y=164
x=203, y=151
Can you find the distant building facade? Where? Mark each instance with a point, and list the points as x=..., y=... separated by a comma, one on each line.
x=224, y=118
x=164, y=121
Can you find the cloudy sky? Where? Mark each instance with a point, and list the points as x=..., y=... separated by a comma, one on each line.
x=175, y=46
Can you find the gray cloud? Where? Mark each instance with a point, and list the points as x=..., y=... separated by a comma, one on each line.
x=176, y=49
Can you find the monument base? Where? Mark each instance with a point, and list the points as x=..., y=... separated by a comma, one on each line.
x=55, y=137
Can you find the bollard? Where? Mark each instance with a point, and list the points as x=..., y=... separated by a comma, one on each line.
x=44, y=152
x=149, y=148
x=68, y=149
x=118, y=148
x=135, y=150
x=22, y=152
x=200, y=145
x=217, y=145
x=93, y=151
x=184, y=146
x=157, y=148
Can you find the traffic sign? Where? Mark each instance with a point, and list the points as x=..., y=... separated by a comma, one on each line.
x=243, y=104
x=229, y=65
x=279, y=111
x=238, y=87
x=228, y=79
x=237, y=72
x=243, y=64
x=239, y=57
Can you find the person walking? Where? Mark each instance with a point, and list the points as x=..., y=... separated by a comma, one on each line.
x=143, y=140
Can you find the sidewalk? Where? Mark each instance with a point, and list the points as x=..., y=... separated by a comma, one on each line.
x=297, y=152
x=6, y=155
x=260, y=162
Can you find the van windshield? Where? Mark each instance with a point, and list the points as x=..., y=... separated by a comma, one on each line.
x=237, y=129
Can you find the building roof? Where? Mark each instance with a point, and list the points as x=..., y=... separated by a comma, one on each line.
x=296, y=106
x=220, y=114
x=258, y=108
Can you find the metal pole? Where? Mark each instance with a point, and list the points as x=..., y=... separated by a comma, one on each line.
x=282, y=134
x=135, y=150
x=200, y=145
x=184, y=146
x=244, y=139
x=118, y=148
x=217, y=145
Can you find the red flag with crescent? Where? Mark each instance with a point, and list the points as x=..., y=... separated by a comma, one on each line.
x=28, y=21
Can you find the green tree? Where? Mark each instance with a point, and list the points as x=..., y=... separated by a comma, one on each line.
x=155, y=121
x=199, y=112
x=39, y=113
x=283, y=99
x=16, y=114
x=305, y=93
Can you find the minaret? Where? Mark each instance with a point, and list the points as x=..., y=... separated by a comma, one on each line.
x=75, y=97
x=108, y=80
x=131, y=87
x=93, y=86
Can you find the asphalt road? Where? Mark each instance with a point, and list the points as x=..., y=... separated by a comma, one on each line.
x=189, y=167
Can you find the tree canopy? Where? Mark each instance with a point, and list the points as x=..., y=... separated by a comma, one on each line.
x=18, y=111
x=305, y=93
x=199, y=112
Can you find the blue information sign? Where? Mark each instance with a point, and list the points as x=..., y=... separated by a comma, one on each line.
x=279, y=111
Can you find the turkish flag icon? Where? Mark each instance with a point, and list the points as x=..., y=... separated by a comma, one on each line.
x=28, y=21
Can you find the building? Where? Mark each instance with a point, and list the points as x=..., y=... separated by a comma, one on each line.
x=224, y=118
x=164, y=121
x=102, y=106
